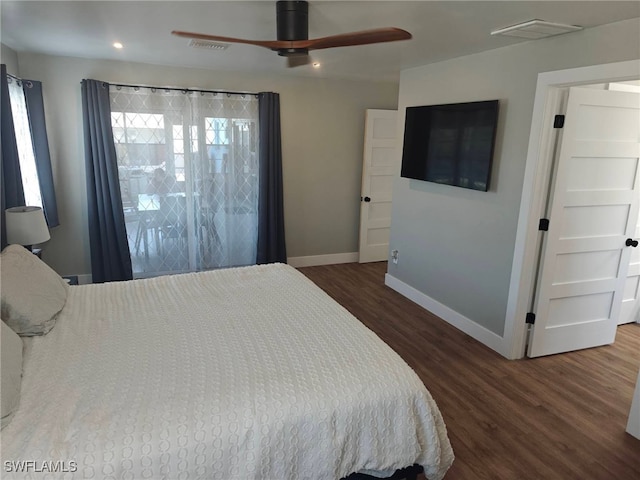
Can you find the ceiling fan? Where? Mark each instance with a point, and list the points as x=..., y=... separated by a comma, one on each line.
x=292, y=19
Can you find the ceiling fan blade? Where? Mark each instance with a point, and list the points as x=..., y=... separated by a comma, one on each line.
x=365, y=37
x=270, y=44
x=298, y=60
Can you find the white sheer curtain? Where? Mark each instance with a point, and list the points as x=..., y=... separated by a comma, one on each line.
x=188, y=167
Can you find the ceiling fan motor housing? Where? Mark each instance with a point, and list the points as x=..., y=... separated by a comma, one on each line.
x=292, y=19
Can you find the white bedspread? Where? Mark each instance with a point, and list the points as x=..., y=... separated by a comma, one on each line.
x=234, y=374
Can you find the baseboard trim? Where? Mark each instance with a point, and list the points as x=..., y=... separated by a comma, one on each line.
x=471, y=328
x=329, y=259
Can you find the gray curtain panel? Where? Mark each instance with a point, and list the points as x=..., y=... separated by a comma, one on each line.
x=110, y=258
x=35, y=111
x=10, y=177
x=271, y=241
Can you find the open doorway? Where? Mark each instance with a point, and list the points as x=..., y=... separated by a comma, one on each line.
x=548, y=103
x=630, y=311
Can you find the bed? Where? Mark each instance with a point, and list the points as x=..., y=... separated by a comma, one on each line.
x=241, y=373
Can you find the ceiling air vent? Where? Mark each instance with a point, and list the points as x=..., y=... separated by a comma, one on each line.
x=208, y=44
x=535, y=29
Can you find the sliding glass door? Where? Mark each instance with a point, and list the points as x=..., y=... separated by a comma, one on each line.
x=188, y=171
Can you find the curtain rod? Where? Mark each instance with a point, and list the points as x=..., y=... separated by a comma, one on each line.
x=184, y=90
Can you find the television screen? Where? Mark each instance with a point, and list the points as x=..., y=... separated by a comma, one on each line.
x=450, y=144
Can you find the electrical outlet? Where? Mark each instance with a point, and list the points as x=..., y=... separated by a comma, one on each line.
x=394, y=256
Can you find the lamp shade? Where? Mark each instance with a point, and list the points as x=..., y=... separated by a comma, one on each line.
x=26, y=225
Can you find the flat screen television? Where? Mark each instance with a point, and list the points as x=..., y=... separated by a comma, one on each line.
x=450, y=144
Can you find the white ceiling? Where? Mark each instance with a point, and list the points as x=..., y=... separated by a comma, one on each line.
x=441, y=30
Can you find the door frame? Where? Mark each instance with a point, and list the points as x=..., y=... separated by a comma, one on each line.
x=547, y=104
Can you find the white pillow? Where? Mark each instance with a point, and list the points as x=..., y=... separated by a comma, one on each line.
x=32, y=293
x=11, y=372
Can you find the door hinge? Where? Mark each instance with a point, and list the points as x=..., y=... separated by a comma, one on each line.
x=558, y=121
x=531, y=318
x=543, y=226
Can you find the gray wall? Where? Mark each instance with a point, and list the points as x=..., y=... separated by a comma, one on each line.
x=9, y=57
x=322, y=135
x=456, y=246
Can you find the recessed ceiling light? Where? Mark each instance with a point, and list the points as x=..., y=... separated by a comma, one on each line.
x=316, y=64
x=117, y=45
x=534, y=29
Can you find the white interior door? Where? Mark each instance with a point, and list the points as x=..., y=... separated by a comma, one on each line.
x=630, y=310
x=594, y=210
x=380, y=165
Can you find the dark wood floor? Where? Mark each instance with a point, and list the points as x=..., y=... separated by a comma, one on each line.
x=559, y=417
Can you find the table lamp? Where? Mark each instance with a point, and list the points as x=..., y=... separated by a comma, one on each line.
x=26, y=226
